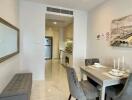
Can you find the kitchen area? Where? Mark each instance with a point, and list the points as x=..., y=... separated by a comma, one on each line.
x=66, y=54
x=59, y=37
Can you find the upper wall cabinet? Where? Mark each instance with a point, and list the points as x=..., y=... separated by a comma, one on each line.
x=9, y=40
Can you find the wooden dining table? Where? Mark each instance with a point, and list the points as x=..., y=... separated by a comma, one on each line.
x=102, y=77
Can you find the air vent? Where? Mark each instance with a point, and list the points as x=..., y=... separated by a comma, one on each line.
x=56, y=10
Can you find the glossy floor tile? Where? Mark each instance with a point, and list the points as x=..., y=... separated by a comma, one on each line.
x=55, y=87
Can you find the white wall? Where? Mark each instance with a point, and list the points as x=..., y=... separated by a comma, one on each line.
x=32, y=24
x=79, y=37
x=9, y=12
x=99, y=22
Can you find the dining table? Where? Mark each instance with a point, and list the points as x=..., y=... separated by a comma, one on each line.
x=102, y=77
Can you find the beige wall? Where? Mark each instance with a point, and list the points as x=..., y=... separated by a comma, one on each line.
x=9, y=12
x=54, y=32
x=68, y=32
x=100, y=22
x=61, y=39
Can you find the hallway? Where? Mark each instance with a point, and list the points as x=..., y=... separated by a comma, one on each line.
x=55, y=87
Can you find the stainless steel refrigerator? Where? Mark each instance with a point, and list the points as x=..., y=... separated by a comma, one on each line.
x=48, y=47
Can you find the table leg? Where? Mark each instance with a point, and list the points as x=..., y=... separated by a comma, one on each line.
x=81, y=75
x=102, y=97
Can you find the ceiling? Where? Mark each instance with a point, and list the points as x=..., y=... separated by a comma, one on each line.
x=61, y=21
x=73, y=4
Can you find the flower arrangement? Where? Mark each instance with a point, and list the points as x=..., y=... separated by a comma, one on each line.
x=68, y=46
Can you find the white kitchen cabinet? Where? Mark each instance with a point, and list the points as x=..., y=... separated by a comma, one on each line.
x=66, y=58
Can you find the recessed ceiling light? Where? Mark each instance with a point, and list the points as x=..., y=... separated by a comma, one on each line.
x=55, y=23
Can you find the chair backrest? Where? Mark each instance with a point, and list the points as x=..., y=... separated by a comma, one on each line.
x=74, y=86
x=126, y=93
x=91, y=61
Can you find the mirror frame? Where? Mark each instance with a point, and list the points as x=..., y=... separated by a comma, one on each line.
x=15, y=28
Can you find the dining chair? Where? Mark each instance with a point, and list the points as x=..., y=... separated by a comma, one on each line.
x=125, y=93
x=82, y=90
x=112, y=91
x=91, y=61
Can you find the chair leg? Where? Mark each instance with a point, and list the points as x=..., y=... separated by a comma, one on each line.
x=69, y=97
x=108, y=98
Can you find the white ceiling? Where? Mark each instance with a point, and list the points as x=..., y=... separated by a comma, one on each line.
x=73, y=4
x=62, y=21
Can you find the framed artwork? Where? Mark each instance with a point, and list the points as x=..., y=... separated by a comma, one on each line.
x=121, y=32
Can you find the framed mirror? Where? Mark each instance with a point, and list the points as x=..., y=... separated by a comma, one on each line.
x=9, y=40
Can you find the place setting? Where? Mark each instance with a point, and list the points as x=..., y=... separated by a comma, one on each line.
x=98, y=65
x=120, y=69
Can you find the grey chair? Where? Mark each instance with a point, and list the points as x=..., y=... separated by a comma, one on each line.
x=80, y=90
x=91, y=61
x=112, y=91
x=125, y=93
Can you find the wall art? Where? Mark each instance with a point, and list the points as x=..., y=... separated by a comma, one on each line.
x=121, y=32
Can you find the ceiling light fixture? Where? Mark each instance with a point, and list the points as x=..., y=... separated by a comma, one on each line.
x=55, y=23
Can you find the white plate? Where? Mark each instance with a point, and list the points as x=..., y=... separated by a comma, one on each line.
x=97, y=65
x=115, y=70
x=118, y=74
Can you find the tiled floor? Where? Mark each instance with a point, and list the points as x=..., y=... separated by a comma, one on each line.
x=55, y=87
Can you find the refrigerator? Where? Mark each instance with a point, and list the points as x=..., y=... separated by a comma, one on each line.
x=48, y=47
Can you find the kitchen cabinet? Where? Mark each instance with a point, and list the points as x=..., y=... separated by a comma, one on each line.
x=66, y=58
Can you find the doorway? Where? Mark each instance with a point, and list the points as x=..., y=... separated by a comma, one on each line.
x=60, y=28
